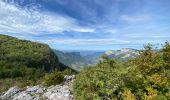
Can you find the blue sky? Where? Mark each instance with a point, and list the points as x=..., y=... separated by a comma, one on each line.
x=87, y=24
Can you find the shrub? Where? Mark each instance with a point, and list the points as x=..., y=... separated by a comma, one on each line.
x=127, y=95
x=68, y=72
x=102, y=82
x=53, y=78
x=143, y=78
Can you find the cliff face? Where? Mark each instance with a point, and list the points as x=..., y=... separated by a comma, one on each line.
x=15, y=52
x=72, y=59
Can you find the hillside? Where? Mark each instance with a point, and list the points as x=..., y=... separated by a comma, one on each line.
x=21, y=57
x=73, y=59
x=92, y=56
x=146, y=77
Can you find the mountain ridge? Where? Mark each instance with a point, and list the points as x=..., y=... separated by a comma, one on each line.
x=122, y=54
x=80, y=59
x=19, y=55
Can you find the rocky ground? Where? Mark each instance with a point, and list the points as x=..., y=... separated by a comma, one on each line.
x=57, y=92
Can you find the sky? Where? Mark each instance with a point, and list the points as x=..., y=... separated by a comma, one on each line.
x=87, y=24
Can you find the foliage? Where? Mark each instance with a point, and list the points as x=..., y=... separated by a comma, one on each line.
x=53, y=78
x=146, y=77
x=24, y=63
x=101, y=82
x=69, y=71
x=127, y=95
x=56, y=77
x=7, y=83
x=22, y=58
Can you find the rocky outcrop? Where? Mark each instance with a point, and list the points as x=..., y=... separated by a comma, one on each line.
x=55, y=92
x=58, y=92
x=25, y=96
x=11, y=92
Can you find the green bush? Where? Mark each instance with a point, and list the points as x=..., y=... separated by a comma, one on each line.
x=100, y=82
x=53, y=78
x=68, y=72
x=146, y=77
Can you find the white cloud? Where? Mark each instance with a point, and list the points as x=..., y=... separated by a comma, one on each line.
x=110, y=30
x=86, y=41
x=148, y=35
x=26, y=21
x=136, y=18
x=79, y=29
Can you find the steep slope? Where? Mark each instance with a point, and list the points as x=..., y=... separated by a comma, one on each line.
x=92, y=56
x=25, y=55
x=72, y=59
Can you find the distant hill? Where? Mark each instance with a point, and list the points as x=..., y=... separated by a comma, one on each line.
x=122, y=54
x=72, y=59
x=22, y=56
x=92, y=56
x=80, y=59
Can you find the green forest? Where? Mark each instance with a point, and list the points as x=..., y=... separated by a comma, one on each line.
x=146, y=77
x=25, y=63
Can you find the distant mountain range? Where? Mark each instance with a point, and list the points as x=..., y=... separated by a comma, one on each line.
x=122, y=54
x=80, y=59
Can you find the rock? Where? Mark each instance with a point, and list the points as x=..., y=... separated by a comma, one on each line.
x=69, y=78
x=56, y=96
x=40, y=90
x=11, y=92
x=34, y=89
x=25, y=96
x=54, y=92
x=58, y=92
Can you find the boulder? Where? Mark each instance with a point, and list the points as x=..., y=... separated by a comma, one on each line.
x=34, y=89
x=25, y=96
x=11, y=92
x=58, y=92
x=69, y=78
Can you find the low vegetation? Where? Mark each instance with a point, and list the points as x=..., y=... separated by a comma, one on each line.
x=56, y=77
x=25, y=63
x=146, y=77
x=53, y=78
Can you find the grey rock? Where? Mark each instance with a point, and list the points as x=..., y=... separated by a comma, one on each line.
x=54, y=92
x=34, y=89
x=25, y=96
x=58, y=92
x=40, y=90
x=69, y=78
x=11, y=92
